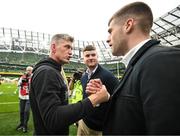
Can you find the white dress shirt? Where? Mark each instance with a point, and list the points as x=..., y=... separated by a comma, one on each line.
x=128, y=56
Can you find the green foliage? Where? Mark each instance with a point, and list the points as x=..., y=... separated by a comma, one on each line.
x=9, y=112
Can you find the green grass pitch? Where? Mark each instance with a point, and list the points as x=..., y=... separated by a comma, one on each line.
x=9, y=112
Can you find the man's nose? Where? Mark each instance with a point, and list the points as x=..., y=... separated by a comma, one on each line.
x=70, y=52
x=108, y=39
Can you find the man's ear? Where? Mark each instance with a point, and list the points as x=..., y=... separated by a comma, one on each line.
x=129, y=25
x=53, y=48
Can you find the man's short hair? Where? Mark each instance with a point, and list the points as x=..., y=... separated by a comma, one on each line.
x=137, y=10
x=89, y=48
x=65, y=37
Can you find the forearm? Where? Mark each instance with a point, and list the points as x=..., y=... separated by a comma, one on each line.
x=59, y=117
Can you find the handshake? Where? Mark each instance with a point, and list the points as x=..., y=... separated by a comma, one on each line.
x=97, y=92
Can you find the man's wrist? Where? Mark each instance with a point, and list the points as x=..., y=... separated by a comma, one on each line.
x=93, y=100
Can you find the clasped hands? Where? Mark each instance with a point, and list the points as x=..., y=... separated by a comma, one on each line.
x=97, y=92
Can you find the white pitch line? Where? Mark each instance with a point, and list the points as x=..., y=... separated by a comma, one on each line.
x=3, y=103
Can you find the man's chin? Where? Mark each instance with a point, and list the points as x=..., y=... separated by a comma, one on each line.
x=115, y=53
x=66, y=61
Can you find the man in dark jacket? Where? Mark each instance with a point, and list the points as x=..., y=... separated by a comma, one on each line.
x=48, y=95
x=92, y=124
x=146, y=101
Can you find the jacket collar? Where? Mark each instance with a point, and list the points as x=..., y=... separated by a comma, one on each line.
x=48, y=61
x=133, y=61
x=98, y=67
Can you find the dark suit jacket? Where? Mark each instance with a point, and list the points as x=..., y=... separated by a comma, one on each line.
x=95, y=120
x=147, y=100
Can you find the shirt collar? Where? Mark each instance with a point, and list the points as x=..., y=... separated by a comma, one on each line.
x=126, y=58
x=91, y=72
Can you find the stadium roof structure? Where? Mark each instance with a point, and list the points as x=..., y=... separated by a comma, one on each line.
x=165, y=28
x=22, y=41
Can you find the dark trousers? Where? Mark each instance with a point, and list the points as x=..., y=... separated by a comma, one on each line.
x=24, y=106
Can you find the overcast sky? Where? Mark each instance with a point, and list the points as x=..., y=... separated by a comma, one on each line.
x=84, y=19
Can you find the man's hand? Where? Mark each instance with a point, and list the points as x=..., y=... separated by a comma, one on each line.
x=93, y=86
x=98, y=92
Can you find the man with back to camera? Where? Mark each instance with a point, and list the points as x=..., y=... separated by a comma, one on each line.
x=92, y=124
x=48, y=94
x=146, y=101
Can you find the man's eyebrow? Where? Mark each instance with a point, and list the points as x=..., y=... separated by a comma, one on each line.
x=109, y=30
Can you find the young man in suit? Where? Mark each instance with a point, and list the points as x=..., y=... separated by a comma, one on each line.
x=147, y=99
x=92, y=124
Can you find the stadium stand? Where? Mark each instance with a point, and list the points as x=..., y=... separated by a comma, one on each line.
x=19, y=48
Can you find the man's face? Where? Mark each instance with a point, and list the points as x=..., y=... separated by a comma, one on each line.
x=116, y=38
x=63, y=51
x=28, y=71
x=90, y=58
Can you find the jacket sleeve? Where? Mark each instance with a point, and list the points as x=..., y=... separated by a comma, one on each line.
x=54, y=113
x=160, y=93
